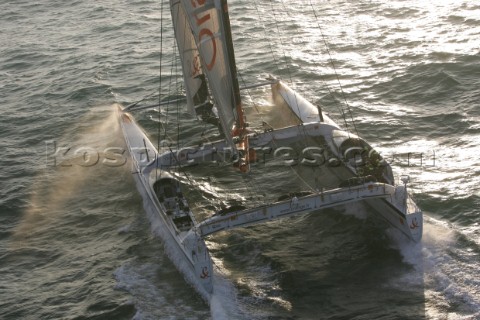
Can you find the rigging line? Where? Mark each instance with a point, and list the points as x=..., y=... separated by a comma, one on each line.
x=255, y=185
x=324, y=83
x=299, y=176
x=252, y=178
x=275, y=145
x=203, y=134
x=286, y=62
x=186, y=28
x=132, y=105
x=182, y=170
x=159, y=87
x=175, y=58
x=281, y=42
x=169, y=92
x=285, y=8
x=275, y=62
x=335, y=71
x=251, y=188
x=248, y=92
x=176, y=55
x=178, y=102
x=271, y=52
x=290, y=76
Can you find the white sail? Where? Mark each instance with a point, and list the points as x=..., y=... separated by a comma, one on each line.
x=194, y=78
x=210, y=26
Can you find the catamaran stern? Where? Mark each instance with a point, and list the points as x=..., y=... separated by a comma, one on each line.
x=408, y=220
x=200, y=258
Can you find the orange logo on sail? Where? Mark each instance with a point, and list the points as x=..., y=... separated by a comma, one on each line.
x=205, y=33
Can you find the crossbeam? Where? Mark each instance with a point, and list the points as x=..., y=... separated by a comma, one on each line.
x=294, y=206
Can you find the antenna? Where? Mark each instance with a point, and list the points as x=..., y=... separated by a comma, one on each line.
x=405, y=179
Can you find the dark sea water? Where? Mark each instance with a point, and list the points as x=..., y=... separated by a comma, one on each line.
x=75, y=242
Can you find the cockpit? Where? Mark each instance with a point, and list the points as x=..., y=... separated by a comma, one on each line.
x=165, y=188
x=170, y=196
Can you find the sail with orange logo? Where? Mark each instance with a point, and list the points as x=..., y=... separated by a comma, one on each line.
x=195, y=82
x=210, y=26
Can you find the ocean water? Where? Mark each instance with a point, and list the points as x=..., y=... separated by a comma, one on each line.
x=75, y=242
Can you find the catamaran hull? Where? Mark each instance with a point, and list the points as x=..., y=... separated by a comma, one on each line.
x=410, y=225
x=195, y=274
x=186, y=250
x=400, y=211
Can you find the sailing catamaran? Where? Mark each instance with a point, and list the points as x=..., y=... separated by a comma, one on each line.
x=349, y=164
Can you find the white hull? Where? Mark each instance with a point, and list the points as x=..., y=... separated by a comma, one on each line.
x=399, y=210
x=186, y=249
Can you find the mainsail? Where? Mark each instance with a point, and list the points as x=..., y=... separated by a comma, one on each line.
x=194, y=78
x=210, y=26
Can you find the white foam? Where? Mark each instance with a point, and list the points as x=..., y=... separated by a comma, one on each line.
x=445, y=269
x=124, y=229
x=356, y=209
x=137, y=281
x=223, y=303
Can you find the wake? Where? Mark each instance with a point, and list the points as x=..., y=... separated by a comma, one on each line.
x=445, y=266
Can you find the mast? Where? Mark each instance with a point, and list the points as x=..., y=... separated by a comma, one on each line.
x=240, y=129
x=237, y=101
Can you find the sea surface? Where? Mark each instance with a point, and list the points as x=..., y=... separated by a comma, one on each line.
x=75, y=242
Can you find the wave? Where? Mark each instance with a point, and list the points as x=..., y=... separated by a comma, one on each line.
x=447, y=267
